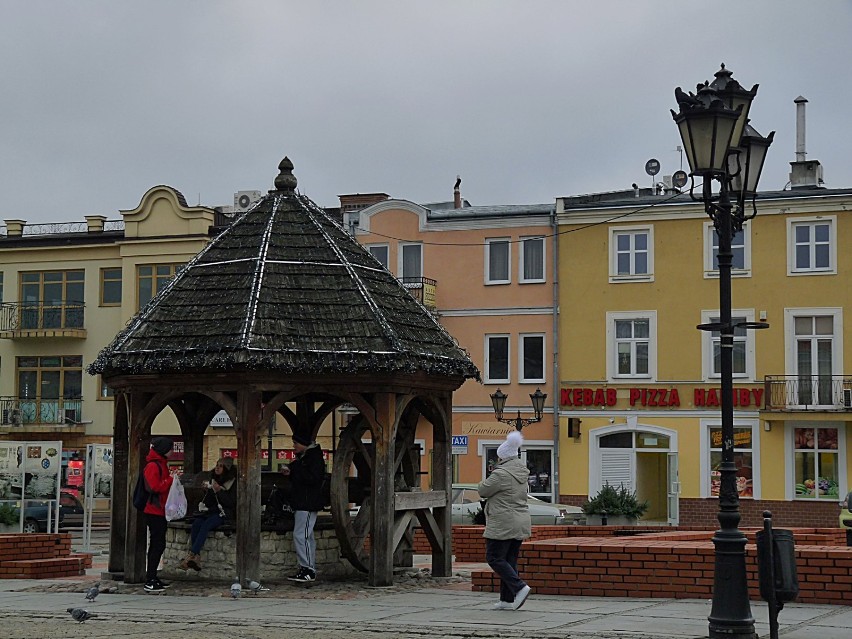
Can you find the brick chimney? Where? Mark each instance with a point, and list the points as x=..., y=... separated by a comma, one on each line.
x=457, y=202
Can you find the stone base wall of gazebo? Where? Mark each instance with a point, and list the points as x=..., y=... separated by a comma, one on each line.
x=277, y=555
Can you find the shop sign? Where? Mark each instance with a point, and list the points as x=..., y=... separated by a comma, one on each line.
x=656, y=397
x=459, y=444
x=279, y=454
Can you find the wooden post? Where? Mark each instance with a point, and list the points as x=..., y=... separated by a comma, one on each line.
x=136, y=536
x=442, y=473
x=381, y=548
x=249, y=407
x=121, y=487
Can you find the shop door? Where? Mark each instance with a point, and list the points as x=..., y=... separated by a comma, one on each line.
x=539, y=462
x=673, y=490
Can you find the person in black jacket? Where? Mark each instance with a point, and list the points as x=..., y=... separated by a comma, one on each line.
x=306, y=474
x=218, y=505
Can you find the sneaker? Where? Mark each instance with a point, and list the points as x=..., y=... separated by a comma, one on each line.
x=154, y=586
x=194, y=561
x=502, y=605
x=305, y=575
x=164, y=584
x=521, y=597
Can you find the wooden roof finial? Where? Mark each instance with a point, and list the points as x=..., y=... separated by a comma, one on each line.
x=286, y=181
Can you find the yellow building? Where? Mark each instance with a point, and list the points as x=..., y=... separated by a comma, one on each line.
x=639, y=385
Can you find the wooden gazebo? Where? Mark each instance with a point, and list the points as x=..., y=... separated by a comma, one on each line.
x=284, y=312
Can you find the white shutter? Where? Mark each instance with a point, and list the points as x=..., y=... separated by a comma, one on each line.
x=617, y=468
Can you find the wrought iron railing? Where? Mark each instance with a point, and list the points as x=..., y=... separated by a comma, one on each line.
x=18, y=411
x=804, y=392
x=19, y=316
x=422, y=289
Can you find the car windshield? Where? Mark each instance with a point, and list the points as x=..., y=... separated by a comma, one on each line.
x=465, y=495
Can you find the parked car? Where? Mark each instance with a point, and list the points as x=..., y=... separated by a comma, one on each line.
x=466, y=502
x=70, y=513
x=846, y=512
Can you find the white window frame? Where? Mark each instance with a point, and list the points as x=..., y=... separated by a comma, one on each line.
x=707, y=345
x=386, y=247
x=521, y=350
x=498, y=240
x=790, y=315
x=487, y=379
x=401, y=254
x=795, y=222
x=612, y=350
x=522, y=258
x=711, y=268
x=790, y=459
x=705, y=449
x=614, y=276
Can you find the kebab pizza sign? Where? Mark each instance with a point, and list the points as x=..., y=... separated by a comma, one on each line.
x=649, y=397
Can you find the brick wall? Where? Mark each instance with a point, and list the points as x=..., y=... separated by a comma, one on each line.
x=672, y=564
x=702, y=512
x=40, y=556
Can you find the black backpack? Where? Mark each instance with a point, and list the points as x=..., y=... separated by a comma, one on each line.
x=141, y=494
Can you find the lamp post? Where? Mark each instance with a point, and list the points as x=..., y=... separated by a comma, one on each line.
x=498, y=401
x=721, y=145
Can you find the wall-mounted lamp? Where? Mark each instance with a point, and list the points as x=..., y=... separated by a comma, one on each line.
x=574, y=427
x=498, y=402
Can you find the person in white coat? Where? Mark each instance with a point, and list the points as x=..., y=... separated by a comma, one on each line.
x=507, y=520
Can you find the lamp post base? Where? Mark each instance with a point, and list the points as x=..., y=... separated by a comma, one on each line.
x=730, y=617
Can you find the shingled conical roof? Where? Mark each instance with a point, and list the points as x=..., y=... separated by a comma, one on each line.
x=284, y=288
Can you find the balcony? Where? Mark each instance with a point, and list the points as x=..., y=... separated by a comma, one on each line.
x=422, y=289
x=16, y=412
x=36, y=319
x=808, y=392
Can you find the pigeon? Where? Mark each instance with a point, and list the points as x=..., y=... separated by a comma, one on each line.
x=236, y=589
x=93, y=592
x=255, y=587
x=80, y=614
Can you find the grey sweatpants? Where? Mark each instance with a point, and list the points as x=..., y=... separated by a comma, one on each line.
x=303, y=538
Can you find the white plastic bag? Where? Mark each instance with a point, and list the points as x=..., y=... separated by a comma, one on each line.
x=176, y=501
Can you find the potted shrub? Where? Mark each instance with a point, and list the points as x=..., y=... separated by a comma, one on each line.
x=619, y=505
x=9, y=518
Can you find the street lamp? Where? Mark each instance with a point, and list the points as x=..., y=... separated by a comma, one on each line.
x=498, y=401
x=721, y=145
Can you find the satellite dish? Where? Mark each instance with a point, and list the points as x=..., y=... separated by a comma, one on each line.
x=652, y=166
x=679, y=179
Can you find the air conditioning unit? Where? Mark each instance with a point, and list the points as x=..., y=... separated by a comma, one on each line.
x=847, y=397
x=244, y=199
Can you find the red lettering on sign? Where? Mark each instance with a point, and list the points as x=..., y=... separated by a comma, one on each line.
x=635, y=393
x=674, y=398
x=578, y=397
x=758, y=396
x=611, y=397
x=588, y=397
x=565, y=397
x=712, y=397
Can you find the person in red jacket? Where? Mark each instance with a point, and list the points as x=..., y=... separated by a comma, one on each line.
x=158, y=481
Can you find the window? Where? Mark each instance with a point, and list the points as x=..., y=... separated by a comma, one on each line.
x=743, y=353
x=411, y=261
x=812, y=246
x=531, y=358
x=497, y=359
x=746, y=457
x=631, y=254
x=52, y=299
x=498, y=253
x=106, y=391
x=152, y=278
x=531, y=265
x=816, y=462
x=813, y=355
x=110, y=286
x=50, y=388
x=380, y=252
x=631, y=345
x=740, y=248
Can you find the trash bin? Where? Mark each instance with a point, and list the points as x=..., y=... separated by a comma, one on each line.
x=783, y=554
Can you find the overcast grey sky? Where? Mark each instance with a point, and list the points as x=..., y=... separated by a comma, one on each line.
x=526, y=100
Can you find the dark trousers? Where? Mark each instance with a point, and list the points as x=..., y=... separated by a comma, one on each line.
x=201, y=527
x=502, y=556
x=157, y=545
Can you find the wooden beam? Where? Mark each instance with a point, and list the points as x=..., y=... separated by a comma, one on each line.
x=136, y=536
x=415, y=500
x=120, y=504
x=442, y=473
x=400, y=526
x=431, y=529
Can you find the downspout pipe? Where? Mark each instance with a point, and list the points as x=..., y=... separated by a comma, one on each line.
x=555, y=339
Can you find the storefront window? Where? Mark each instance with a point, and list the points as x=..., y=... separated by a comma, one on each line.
x=742, y=458
x=817, y=463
